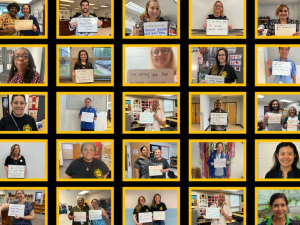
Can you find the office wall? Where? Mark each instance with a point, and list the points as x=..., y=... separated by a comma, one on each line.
x=172, y=148
x=105, y=194
x=269, y=10
x=27, y=192
x=37, y=54
x=101, y=12
x=70, y=198
x=39, y=6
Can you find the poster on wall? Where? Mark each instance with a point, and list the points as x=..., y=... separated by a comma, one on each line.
x=62, y=208
x=165, y=152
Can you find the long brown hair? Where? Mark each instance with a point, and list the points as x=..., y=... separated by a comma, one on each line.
x=12, y=150
x=215, y=67
x=139, y=206
x=153, y=205
x=147, y=6
x=87, y=63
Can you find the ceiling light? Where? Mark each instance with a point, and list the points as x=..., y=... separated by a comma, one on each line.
x=65, y=5
x=66, y=1
x=135, y=7
x=165, y=95
x=83, y=192
x=91, y=4
x=104, y=6
x=284, y=100
x=95, y=8
x=175, y=1
x=260, y=96
x=76, y=8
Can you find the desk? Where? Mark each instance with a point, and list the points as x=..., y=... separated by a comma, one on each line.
x=209, y=222
x=141, y=127
x=230, y=33
x=64, y=28
x=239, y=215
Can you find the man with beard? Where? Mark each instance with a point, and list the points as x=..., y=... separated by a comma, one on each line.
x=218, y=109
x=225, y=211
x=7, y=20
x=79, y=208
x=84, y=5
x=274, y=108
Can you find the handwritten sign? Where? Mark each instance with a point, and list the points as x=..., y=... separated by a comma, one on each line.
x=143, y=76
x=79, y=216
x=212, y=79
x=281, y=68
x=218, y=118
x=16, y=171
x=145, y=217
x=231, y=49
x=146, y=118
x=274, y=118
x=216, y=27
x=87, y=117
x=220, y=163
x=95, y=214
x=16, y=210
x=213, y=213
x=292, y=125
x=84, y=76
x=285, y=29
x=159, y=215
x=87, y=25
x=155, y=170
x=156, y=29
x=23, y=24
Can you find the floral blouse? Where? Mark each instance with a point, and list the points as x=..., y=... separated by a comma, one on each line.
x=6, y=21
x=28, y=209
x=18, y=79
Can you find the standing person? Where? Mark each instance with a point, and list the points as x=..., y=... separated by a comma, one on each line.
x=274, y=107
x=159, y=161
x=87, y=126
x=82, y=62
x=95, y=206
x=225, y=211
x=218, y=109
x=157, y=205
x=141, y=164
x=291, y=79
x=84, y=6
x=292, y=115
x=18, y=120
x=79, y=208
x=140, y=208
x=26, y=10
x=218, y=154
x=15, y=158
x=7, y=20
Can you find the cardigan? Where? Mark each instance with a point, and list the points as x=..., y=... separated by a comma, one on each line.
x=274, y=173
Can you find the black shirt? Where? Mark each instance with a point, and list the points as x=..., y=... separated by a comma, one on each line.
x=76, y=209
x=24, y=123
x=160, y=207
x=142, y=165
x=162, y=162
x=144, y=208
x=10, y=161
x=77, y=169
x=228, y=73
x=212, y=16
x=78, y=66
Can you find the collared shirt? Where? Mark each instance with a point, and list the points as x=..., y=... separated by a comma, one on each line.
x=222, y=218
x=289, y=175
x=285, y=79
x=6, y=21
x=271, y=28
x=155, y=126
x=271, y=218
x=88, y=125
x=75, y=20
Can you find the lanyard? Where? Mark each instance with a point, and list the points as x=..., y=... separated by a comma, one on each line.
x=15, y=122
x=222, y=70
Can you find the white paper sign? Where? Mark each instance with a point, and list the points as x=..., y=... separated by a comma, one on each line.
x=146, y=118
x=155, y=170
x=281, y=68
x=16, y=210
x=274, y=118
x=218, y=118
x=157, y=76
x=79, y=216
x=285, y=29
x=216, y=27
x=156, y=29
x=23, y=24
x=95, y=214
x=220, y=163
x=145, y=217
x=84, y=76
x=231, y=49
x=159, y=215
x=292, y=125
x=87, y=25
x=16, y=171
x=213, y=79
x=212, y=213
x=87, y=117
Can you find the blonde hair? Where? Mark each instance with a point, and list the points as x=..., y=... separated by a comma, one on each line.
x=279, y=7
x=12, y=150
x=171, y=65
x=222, y=12
x=292, y=107
x=147, y=6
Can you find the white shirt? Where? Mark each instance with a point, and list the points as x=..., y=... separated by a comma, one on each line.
x=222, y=218
x=155, y=126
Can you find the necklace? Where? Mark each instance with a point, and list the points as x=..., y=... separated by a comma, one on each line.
x=87, y=167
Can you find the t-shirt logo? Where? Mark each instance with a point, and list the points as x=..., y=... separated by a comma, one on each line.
x=98, y=173
x=147, y=210
x=224, y=74
x=161, y=208
x=27, y=127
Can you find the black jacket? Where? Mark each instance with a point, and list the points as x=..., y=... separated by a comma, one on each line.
x=274, y=173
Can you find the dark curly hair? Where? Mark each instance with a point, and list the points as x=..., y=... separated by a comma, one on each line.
x=14, y=4
x=271, y=103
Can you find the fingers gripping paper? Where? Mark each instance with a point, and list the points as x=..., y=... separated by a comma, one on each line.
x=281, y=68
x=218, y=118
x=216, y=27
x=145, y=217
x=212, y=213
x=16, y=210
x=16, y=171
x=156, y=29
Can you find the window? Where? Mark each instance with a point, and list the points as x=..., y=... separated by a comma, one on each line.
x=102, y=62
x=235, y=203
x=169, y=108
x=64, y=62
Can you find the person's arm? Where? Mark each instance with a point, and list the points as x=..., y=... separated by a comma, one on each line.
x=99, y=24
x=73, y=24
x=34, y=127
x=265, y=121
x=227, y=160
x=269, y=68
x=37, y=26
x=80, y=114
x=229, y=25
x=6, y=170
x=69, y=170
x=4, y=207
x=28, y=217
x=137, y=173
x=25, y=170
x=95, y=115
x=68, y=177
x=205, y=25
x=162, y=123
x=71, y=215
x=105, y=175
x=135, y=31
x=228, y=218
x=135, y=220
x=104, y=213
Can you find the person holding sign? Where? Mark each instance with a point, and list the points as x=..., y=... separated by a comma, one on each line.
x=285, y=79
x=158, y=206
x=220, y=157
x=87, y=166
x=279, y=207
x=152, y=14
x=87, y=115
x=158, y=161
x=18, y=120
x=273, y=119
x=141, y=164
x=7, y=20
x=218, y=13
x=28, y=211
x=286, y=160
x=26, y=10
x=15, y=158
x=84, y=6
x=282, y=11
x=23, y=68
x=140, y=208
x=222, y=67
x=82, y=62
x=95, y=206
x=292, y=121
x=218, y=109
x=79, y=208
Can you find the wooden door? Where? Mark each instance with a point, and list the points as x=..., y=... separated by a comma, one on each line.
x=231, y=110
x=135, y=153
x=198, y=113
x=193, y=115
x=76, y=151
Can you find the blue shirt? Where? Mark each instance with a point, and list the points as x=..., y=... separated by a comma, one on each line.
x=87, y=125
x=289, y=175
x=30, y=32
x=285, y=79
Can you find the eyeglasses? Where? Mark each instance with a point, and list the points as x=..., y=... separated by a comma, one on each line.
x=218, y=6
x=21, y=103
x=88, y=150
x=18, y=57
x=283, y=10
x=163, y=51
x=221, y=55
x=19, y=193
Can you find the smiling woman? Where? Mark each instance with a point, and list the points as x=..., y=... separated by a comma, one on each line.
x=7, y=20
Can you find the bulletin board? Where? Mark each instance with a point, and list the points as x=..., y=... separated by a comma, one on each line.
x=165, y=152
